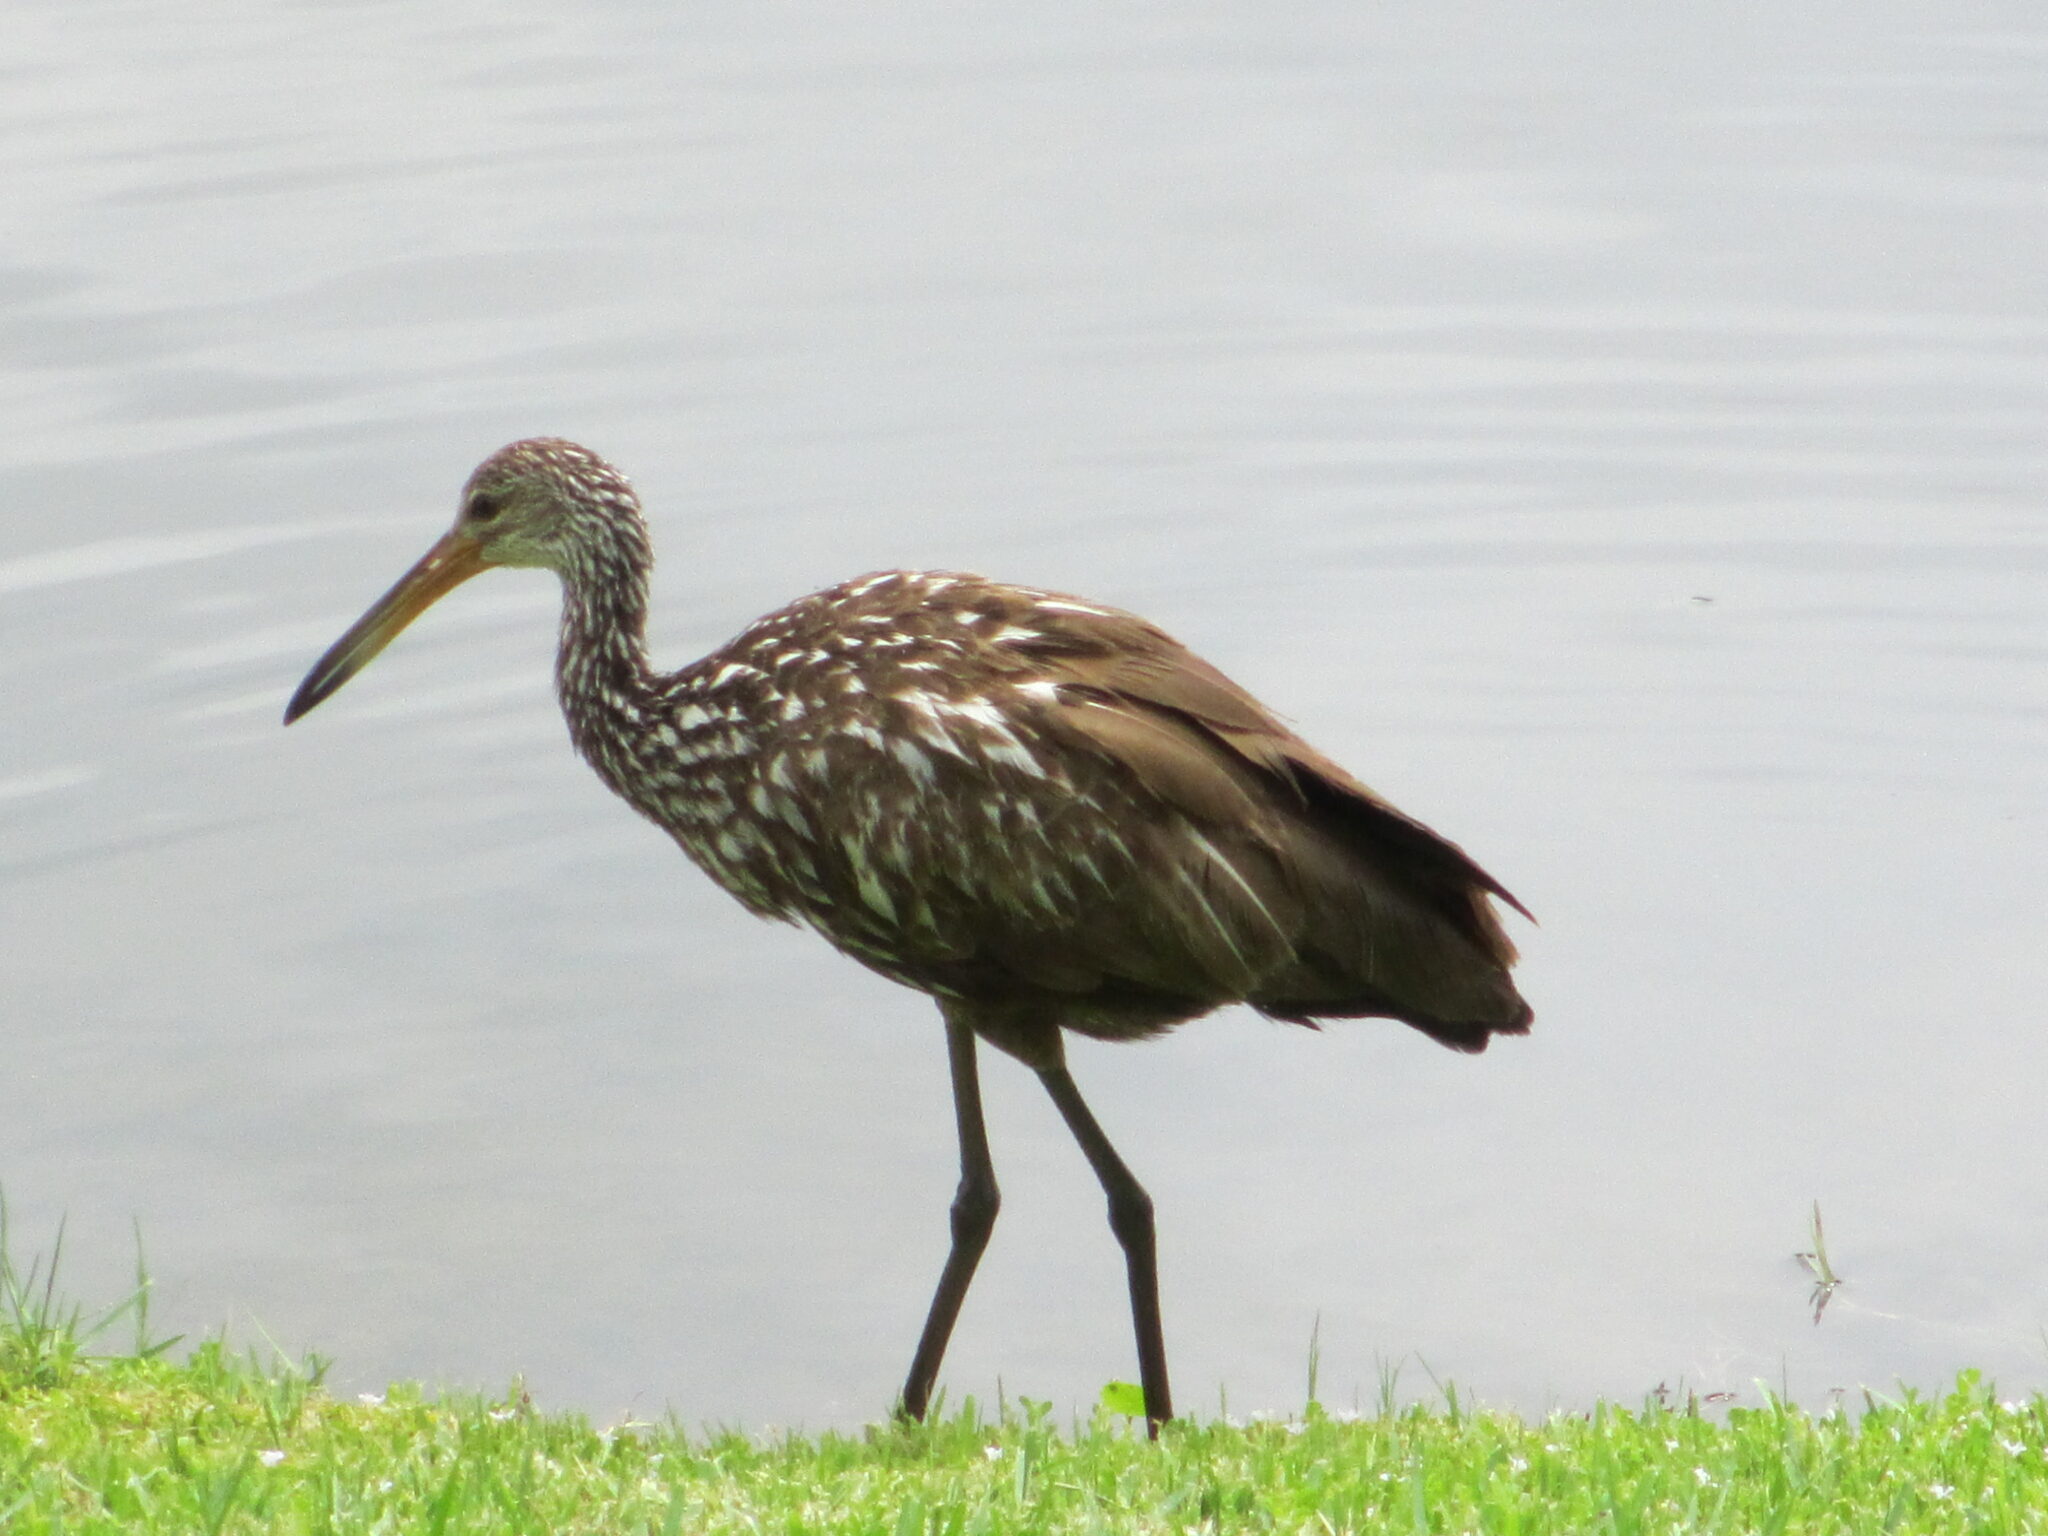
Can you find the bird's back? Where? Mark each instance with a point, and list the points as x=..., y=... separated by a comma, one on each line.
x=1056, y=815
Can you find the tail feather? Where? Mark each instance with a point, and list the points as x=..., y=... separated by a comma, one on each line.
x=1399, y=923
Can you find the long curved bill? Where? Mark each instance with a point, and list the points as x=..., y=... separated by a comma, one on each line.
x=457, y=557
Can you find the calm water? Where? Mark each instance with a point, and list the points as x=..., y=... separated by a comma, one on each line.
x=1622, y=442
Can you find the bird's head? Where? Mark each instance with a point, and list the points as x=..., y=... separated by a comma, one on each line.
x=542, y=501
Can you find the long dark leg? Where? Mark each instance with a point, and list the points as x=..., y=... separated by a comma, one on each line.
x=1130, y=1217
x=975, y=1203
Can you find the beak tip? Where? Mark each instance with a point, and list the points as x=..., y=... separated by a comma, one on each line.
x=309, y=695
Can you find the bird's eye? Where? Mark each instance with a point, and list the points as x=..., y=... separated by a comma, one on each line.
x=484, y=506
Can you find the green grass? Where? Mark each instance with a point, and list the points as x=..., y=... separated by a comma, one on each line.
x=133, y=1440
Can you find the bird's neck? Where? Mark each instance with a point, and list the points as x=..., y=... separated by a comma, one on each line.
x=602, y=675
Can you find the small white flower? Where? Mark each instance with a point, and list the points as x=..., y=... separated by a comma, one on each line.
x=1518, y=1463
x=1941, y=1490
x=499, y=1415
x=370, y=1399
x=270, y=1458
x=1703, y=1476
x=992, y=1452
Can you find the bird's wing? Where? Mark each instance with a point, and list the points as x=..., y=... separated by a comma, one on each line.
x=1383, y=915
x=1191, y=710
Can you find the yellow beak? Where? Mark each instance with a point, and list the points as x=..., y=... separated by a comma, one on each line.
x=457, y=557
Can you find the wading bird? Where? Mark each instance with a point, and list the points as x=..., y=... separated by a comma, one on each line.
x=1045, y=813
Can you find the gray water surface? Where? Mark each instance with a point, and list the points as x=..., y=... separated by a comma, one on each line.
x=1619, y=435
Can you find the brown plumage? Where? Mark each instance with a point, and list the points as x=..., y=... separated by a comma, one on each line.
x=1045, y=813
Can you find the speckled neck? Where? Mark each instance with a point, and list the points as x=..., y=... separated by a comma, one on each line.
x=602, y=675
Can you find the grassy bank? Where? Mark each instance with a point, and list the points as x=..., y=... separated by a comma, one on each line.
x=134, y=1440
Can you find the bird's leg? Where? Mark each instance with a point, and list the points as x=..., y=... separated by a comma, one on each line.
x=1130, y=1217
x=975, y=1203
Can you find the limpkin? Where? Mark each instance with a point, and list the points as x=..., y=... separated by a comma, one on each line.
x=1043, y=812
